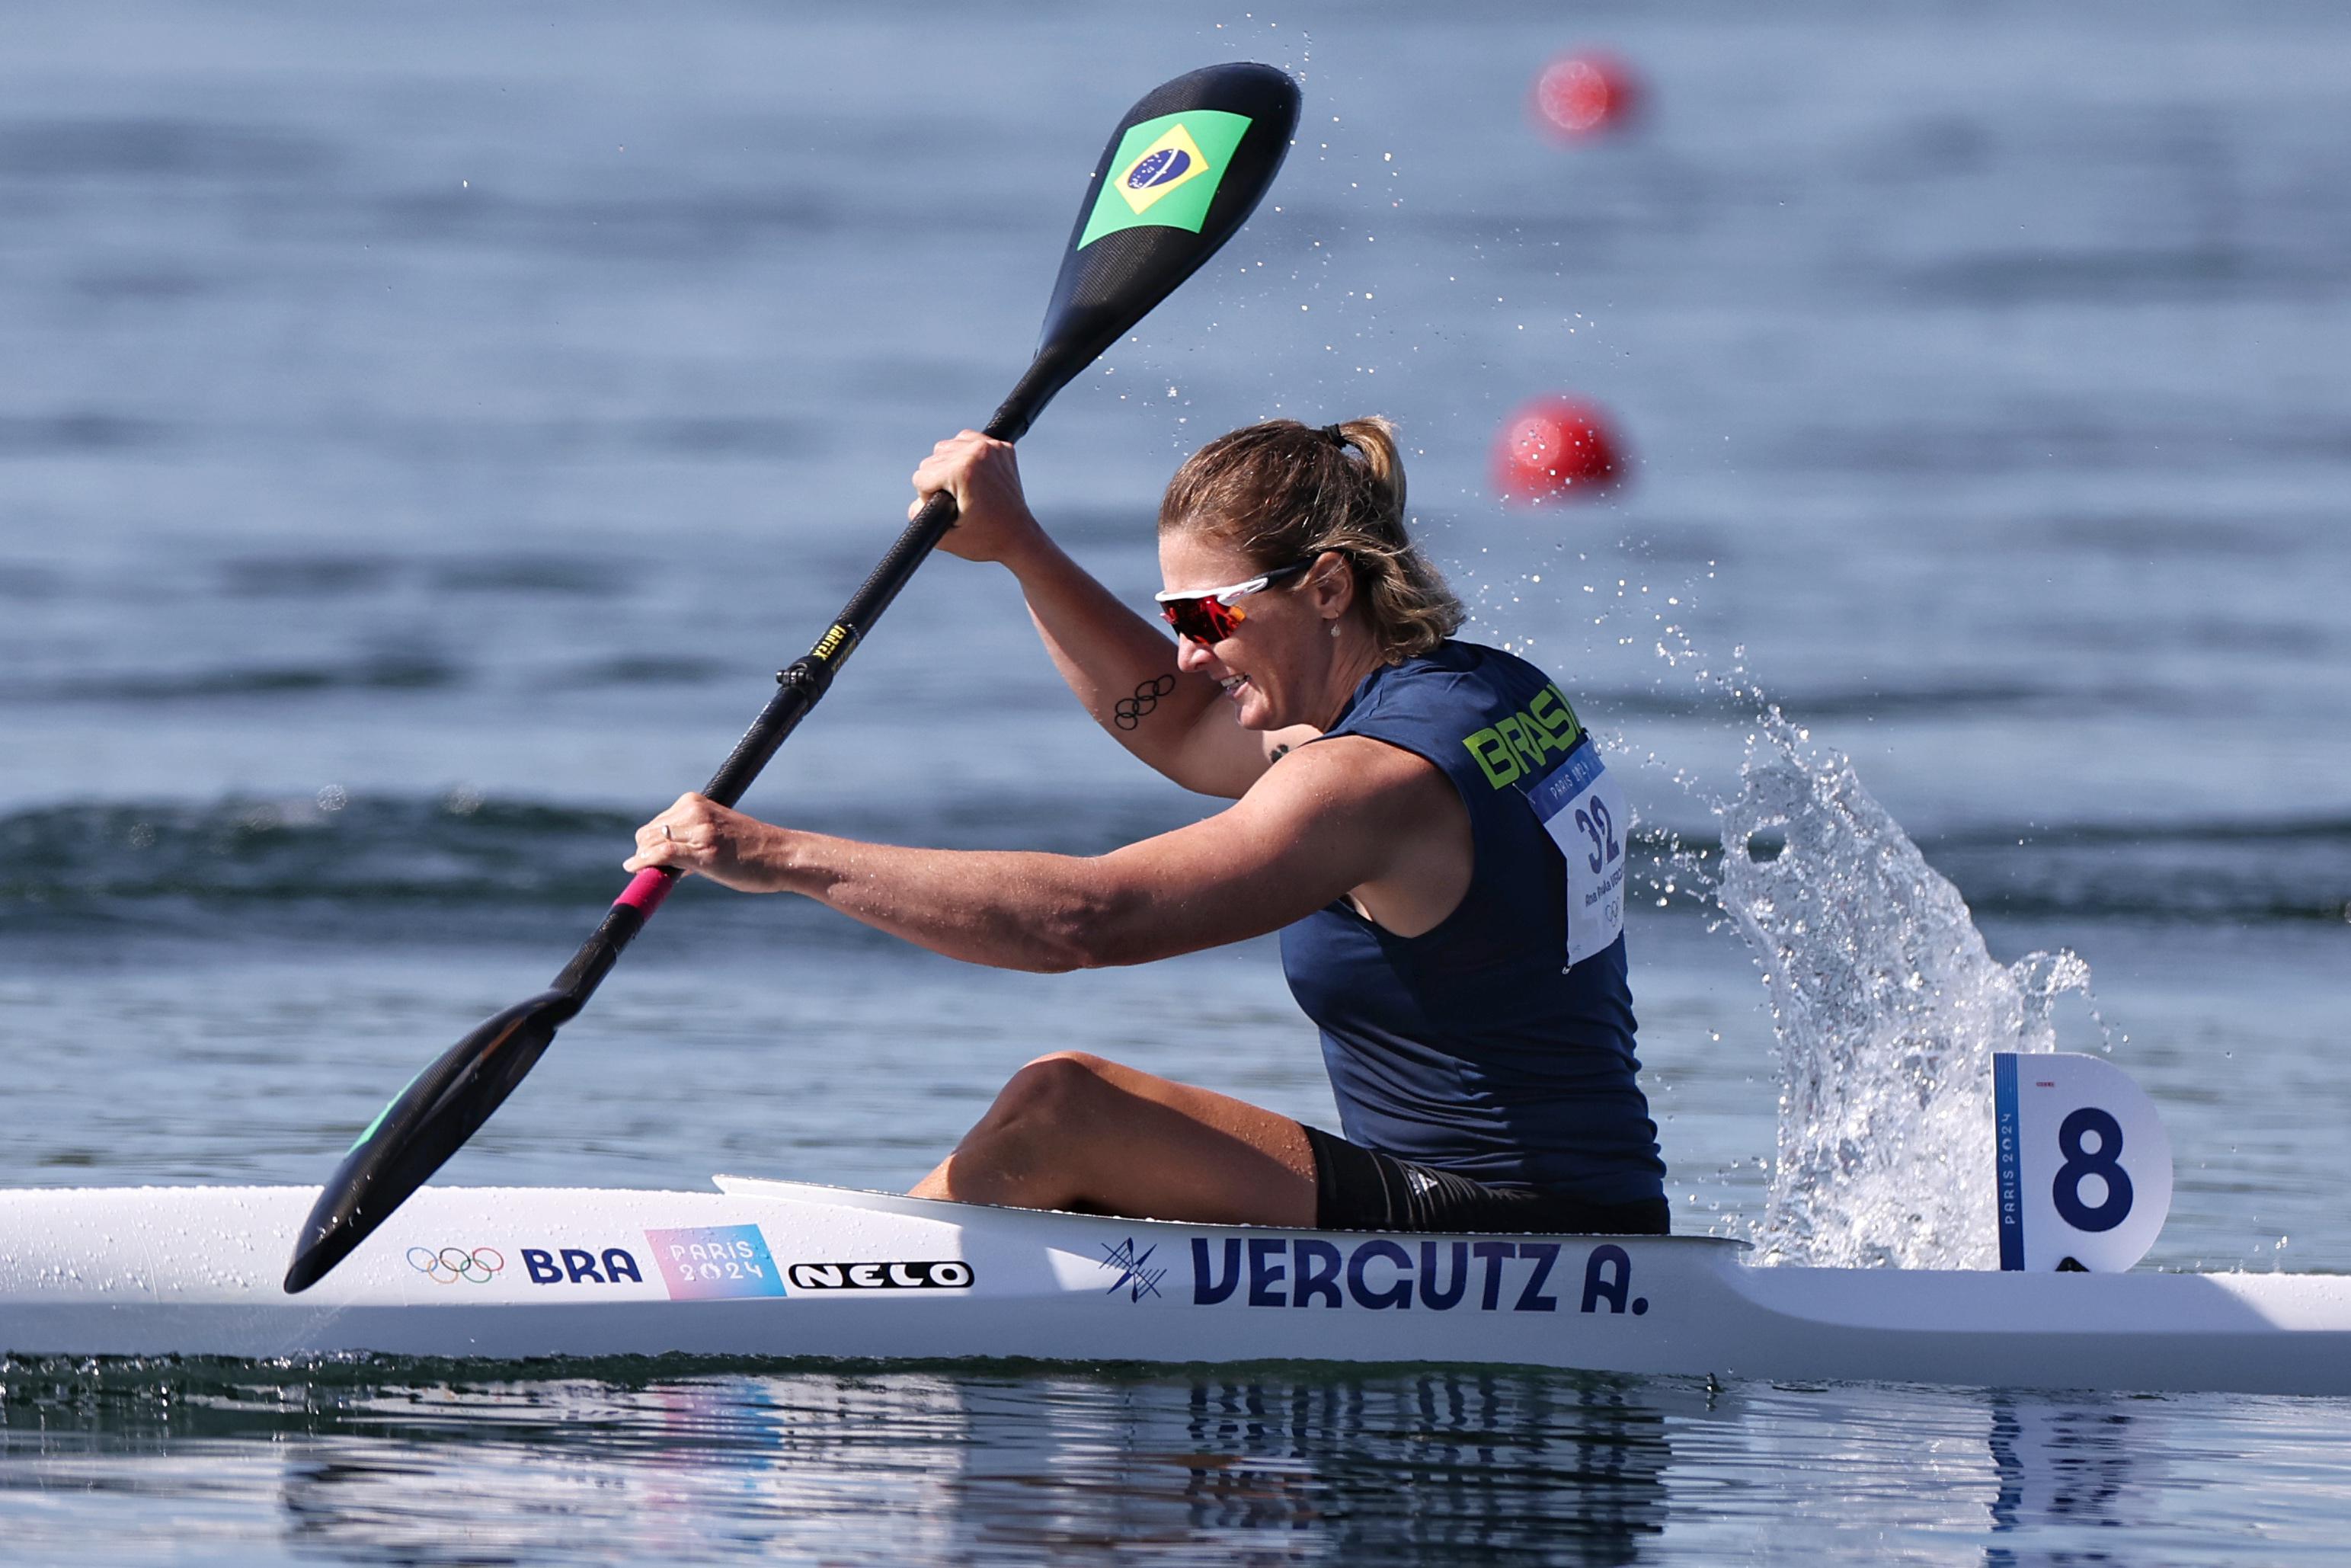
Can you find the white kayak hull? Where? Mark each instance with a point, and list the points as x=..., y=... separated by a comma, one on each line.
x=766, y=1270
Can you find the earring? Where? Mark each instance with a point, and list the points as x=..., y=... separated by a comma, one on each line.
x=1334, y=628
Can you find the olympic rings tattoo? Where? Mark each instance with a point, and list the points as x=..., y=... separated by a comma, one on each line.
x=452, y=1264
x=1133, y=710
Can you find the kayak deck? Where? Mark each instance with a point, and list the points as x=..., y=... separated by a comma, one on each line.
x=768, y=1270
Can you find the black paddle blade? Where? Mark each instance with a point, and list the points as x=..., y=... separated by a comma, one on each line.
x=417, y=1133
x=1183, y=171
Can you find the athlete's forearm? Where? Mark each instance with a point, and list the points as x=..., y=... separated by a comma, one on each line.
x=1332, y=819
x=1005, y=908
x=1120, y=667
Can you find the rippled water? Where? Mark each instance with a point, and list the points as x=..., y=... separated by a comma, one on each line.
x=424, y=433
x=1014, y=1465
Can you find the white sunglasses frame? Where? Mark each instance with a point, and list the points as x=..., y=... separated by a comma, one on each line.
x=1257, y=584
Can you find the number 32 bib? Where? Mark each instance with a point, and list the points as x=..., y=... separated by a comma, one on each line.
x=1582, y=807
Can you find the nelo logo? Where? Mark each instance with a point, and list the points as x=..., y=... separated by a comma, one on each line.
x=948, y=1274
x=578, y=1266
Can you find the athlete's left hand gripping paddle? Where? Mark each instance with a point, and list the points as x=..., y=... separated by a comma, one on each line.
x=1183, y=171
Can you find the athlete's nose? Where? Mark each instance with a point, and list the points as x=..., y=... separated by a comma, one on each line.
x=1191, y=657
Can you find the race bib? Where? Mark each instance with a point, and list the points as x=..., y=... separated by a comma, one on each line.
x=1582, y=807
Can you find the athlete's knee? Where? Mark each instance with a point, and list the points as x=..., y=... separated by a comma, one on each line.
x=1054, y=1088
x=1072, y=1063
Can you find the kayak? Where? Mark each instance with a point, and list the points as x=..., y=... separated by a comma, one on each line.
x=768, y=1270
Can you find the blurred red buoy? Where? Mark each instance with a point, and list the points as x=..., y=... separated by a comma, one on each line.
x=1554, y=447
x=1584, y=95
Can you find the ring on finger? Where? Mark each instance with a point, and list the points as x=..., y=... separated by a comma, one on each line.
x=667, y=834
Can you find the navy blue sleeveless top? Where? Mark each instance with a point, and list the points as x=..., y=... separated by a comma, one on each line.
x=1478, y=1047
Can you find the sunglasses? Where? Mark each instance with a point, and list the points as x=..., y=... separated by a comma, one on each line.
x=1208, y=614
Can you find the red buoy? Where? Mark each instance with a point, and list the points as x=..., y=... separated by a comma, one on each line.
x=1585, y=95
x=1551, y=448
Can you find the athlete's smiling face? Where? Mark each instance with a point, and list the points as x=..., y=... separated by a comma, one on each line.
x=1277, y=664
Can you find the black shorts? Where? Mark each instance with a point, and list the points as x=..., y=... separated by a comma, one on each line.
x=1356, y=1188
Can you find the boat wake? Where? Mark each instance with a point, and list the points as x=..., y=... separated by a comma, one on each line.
x=1886, y=1006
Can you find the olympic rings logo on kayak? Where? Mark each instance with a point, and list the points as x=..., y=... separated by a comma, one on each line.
x=451, y=1264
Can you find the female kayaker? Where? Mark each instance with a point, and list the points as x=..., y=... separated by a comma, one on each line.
x=1422, y=819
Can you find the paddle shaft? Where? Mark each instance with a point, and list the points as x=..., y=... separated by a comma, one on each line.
x=798, y=688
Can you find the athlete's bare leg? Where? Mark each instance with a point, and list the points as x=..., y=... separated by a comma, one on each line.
x=1074, y=1131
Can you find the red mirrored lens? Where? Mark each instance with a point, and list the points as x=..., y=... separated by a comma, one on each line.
x=1204, y=620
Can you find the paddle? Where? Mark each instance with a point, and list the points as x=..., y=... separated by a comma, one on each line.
x=1182, y=172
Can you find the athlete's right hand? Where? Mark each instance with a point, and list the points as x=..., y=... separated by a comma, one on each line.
x=992, y=520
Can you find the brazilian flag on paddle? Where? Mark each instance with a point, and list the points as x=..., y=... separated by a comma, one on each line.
x=1165, y=172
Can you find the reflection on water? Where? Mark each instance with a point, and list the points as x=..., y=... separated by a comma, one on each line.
x=2065, y=1467
x=1436, y=1464
x=958, y=1464
x=448, y=1464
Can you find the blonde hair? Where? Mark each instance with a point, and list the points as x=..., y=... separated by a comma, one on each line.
x=1282, y=492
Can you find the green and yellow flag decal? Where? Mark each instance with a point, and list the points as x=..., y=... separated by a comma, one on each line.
x=1164, y=172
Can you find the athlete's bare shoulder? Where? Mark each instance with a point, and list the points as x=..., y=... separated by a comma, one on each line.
x=1350, y=769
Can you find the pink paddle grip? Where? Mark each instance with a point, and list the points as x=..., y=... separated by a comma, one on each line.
x=646, y=890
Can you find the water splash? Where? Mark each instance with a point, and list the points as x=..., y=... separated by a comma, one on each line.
x=1887, y=1008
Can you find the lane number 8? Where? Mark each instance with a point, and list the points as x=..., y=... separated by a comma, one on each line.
x=2104, y=1162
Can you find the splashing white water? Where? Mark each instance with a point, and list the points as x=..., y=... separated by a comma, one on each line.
x=1887, y=1008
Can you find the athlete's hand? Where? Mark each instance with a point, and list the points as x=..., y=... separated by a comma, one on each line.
x=992, y=519
x=698, y=836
